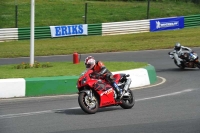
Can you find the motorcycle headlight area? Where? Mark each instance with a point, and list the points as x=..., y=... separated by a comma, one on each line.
x=83, y=81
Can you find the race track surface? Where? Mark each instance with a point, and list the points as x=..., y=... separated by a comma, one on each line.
x=171, y=107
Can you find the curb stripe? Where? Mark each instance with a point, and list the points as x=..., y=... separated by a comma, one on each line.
x=151, y=73
x=12, y=88
x=47, y=86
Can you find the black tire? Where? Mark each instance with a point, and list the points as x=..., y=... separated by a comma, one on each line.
x=181, y=66
x=128, y=103
x=198, y=64
x=83, y=104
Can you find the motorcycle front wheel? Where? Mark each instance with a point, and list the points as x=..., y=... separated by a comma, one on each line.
x=87, y=104
x=128, y=101
x=181, y=66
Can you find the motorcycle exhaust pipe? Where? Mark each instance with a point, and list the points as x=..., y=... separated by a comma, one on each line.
x=127, y=84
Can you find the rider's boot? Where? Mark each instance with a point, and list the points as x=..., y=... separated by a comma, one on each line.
x=178, y=63
x=178, y=60
x=119, y=90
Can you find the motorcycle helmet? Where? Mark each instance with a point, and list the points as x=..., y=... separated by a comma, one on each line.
x=177, y=46
x=89, y=62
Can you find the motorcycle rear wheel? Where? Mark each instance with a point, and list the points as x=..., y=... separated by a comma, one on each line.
x=86, y=104
x=129, y=102
x=198, y=64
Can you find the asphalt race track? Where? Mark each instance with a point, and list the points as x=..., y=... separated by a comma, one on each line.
x=173, y=106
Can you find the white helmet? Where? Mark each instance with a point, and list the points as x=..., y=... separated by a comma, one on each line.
x=89, y=62
x=177, y=46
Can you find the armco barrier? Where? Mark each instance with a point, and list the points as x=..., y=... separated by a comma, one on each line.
x=44, y=32
x=94, y=29
x=126, y=27
x=44, y=86
x=192, y=21
x=113, y=28
x=40, y=32
x=8, y=34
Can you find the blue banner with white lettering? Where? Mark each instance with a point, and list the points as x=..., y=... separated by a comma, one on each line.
x=166, y=24
x=69, y=30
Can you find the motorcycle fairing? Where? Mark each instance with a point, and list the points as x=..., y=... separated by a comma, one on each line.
x=107, y=97
x=105, y=92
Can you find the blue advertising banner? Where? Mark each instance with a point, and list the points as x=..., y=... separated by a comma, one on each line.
x=69, y=30
x=166, y=24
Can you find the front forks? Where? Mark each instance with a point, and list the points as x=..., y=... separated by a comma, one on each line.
x=89, y=94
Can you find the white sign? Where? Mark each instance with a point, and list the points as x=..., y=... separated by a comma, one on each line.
x=69, y=30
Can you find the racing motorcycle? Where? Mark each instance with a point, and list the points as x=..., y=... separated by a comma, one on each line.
x=95, y=93
x=190, y=60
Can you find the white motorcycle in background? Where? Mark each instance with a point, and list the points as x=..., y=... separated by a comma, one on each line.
x=190, y=60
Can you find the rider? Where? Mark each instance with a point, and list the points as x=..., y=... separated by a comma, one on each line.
x=100, y=70
x=178, y=51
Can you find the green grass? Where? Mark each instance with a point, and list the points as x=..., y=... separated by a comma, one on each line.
x=98, y=44
x=91, y=44
x=64, y=12
x=61, y=69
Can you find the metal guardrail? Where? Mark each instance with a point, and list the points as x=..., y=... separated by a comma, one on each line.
x=40, y=32
x=192, y=20
x=114, y=28
x=126, y=27
x=8, y=34
x=94, y=29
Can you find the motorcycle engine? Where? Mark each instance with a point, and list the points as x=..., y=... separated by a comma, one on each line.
x=191, y=64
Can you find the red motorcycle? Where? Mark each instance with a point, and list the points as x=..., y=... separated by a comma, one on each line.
x=97, y=93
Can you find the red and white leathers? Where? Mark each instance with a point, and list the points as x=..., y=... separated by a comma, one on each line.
x=100, y=70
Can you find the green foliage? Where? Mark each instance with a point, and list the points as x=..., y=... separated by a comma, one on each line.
x=196, y=1
x=60, y=69
x=35, y=65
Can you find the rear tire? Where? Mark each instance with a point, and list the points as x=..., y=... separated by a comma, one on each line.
x=129, y=102
x=87, y=105
x=198, y=64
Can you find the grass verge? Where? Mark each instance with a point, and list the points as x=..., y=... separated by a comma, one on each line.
x=61, y=69
x=91, y=44
x=98, y=44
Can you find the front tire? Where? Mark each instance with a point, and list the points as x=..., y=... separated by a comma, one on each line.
x=181, y=66
x=89, y=106
x=129, y=101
